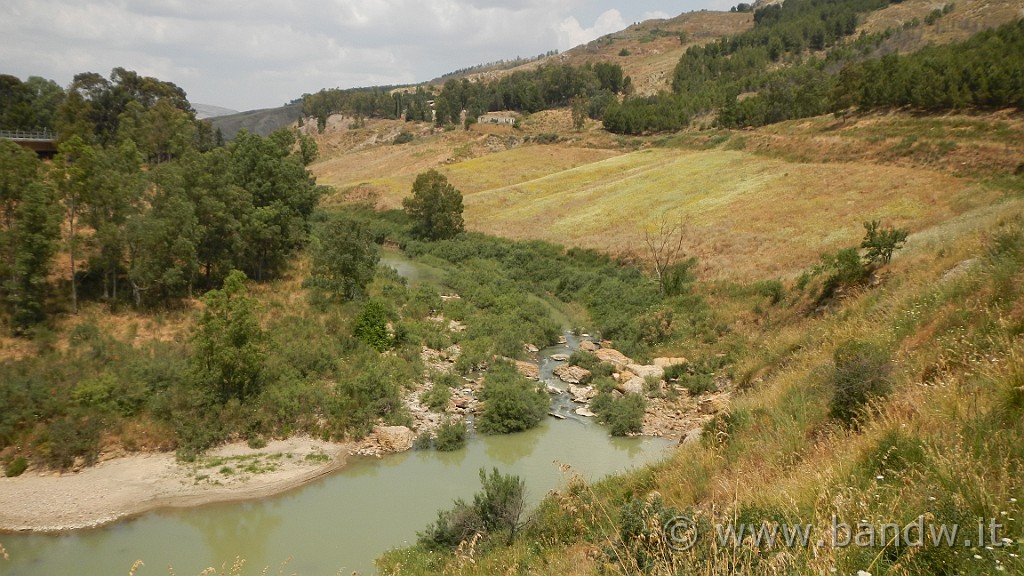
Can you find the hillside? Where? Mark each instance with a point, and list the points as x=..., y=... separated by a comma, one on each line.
x=803, y=187
x=938, y=325
x=648, y=51
x=261, y=122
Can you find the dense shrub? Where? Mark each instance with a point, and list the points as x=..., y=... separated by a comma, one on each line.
x=512, y=403
x=16, y=467
x=861, y=374
x=624, y=415
x=371, y=326
x=642, y=541
x=451, y=435
x=437, y=397
x=496, y=509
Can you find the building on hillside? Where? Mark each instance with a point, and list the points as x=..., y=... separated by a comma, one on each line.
x=499, y=118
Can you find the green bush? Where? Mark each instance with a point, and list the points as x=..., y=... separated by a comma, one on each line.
x=861, y=374
x=843, y=269
x=771, y=289
x=437, y=397
x=371, y=326
x=16, y=467
x=496, y=509
x=451, y=436
x=69, y=438
x=423, y=441
x=697, y=377
x=624, y=415
x=403, y=137
x=512, y=403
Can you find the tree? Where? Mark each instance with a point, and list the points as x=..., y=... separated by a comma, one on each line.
x=580, y=107
x=283, y=196
x=665, y=247
x=162, y=241
x=114, y=185
x=221, y=208
x=73, y=173
x=344, y=259
x=228, y=346
x=435, y=207
x=880, y=242
x=29, y=230
x=511, y=402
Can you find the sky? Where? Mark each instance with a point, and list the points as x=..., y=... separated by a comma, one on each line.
x=249, y=54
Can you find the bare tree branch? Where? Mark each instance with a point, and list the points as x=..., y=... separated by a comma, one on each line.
x=665, y=246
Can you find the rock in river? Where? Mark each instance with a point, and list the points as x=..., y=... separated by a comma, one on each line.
x=572, y=374
x=395, y=438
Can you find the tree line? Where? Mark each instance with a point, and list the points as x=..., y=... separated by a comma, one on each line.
x=544, y=88
x=143, y=201
x=741, y=80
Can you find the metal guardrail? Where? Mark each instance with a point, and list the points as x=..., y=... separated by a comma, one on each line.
x=44, y=134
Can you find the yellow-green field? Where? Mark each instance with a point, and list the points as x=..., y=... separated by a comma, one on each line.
x=756, y=204
x=747, y=216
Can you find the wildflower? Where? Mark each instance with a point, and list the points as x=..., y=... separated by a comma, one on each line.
x=863, y=573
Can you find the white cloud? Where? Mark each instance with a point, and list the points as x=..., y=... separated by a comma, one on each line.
x=256, y=53
x=571, y=33
x=655, y=15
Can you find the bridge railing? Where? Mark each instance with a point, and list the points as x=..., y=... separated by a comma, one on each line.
x=41, y=134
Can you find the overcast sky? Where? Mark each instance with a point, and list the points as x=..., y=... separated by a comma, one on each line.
x=247, y=54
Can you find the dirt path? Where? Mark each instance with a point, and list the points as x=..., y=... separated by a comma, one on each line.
x=134, y=484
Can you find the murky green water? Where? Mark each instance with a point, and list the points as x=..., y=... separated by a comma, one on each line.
x=341, y=522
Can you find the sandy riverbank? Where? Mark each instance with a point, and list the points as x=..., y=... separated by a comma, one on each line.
x=134, y=484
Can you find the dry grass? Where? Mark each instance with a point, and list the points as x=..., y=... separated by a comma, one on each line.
x=653, y=46
x=968, y=17
x=760, y=204
x=749, y=217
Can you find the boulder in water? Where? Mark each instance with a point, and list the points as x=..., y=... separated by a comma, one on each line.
x=572, y=374
x=582, y=394
x=395, y=438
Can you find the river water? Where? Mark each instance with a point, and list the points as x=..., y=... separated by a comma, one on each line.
x=338, y=523
x=342, y=522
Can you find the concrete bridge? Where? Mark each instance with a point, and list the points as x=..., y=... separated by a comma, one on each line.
x=42, y=142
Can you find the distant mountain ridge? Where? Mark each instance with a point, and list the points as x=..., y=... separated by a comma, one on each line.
x=261, y=122
x=207, y=111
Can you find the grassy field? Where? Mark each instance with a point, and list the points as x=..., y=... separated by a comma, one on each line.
x=757, y=204
x=747, y=216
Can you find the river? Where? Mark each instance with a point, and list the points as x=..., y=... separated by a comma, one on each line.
x=342, y=522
